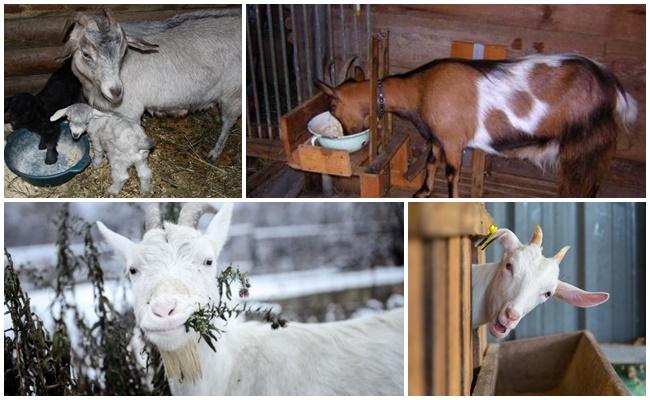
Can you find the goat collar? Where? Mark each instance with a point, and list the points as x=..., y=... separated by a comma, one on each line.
x=380, y=98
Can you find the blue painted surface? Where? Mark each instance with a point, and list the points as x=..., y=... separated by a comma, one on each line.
x=607, y=254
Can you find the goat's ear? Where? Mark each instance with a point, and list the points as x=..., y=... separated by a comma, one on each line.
x=538, y=235
x=578, y=297
x=559, y=256
x=59, y=114
x=141, y=44
x=97, y=113
x=327, y=89
x=358, y=74
x=509, y=240
x=218, y=229
x=119, y=243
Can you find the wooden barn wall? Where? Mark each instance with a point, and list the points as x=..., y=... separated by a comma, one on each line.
x=607, y=254
x=611, y=34
x=34, y=37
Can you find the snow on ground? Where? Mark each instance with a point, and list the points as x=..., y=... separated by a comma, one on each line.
x=264, y=288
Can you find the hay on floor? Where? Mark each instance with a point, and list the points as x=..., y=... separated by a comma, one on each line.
x=179, y=164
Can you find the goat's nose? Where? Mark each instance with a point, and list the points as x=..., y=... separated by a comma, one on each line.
x=512, y=314
x=163, y=309
x=116, y=91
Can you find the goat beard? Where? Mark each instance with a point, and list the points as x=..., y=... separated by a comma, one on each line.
x=182, y=363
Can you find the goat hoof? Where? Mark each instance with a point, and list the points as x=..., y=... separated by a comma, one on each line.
x=422, y=194
x=49, y=160
x=213, y=156
x=41, y=146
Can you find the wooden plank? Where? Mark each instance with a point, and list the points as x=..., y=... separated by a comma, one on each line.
x=440, y=352
x=466, y=316
x=417, y=339
x=374, y=185
x=449, y=219
x=486, y=382
x=478, y=173
x=293, y=125
x=454, y=317
x=387, y=153
x=25, y=84
x=265, y=148
x=324, y=161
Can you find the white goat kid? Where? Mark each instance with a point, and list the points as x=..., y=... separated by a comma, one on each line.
x=504, y=292
x=173, y=271
x=123, y=140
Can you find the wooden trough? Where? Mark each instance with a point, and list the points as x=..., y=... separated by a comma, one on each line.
x=568, y=364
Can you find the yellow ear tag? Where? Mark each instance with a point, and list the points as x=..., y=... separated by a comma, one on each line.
x=487, y=239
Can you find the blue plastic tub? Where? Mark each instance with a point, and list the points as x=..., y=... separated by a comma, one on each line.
x=24, y=159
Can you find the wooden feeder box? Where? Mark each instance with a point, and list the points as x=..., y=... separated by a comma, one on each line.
x=383, y=163
x=567, y=364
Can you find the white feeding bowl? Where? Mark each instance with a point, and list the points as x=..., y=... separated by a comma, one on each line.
x=328, y=132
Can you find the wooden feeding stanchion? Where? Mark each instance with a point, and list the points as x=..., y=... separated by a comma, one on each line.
x=380, y=165
x=443, y=349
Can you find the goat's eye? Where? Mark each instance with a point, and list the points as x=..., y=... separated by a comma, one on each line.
x=208, y=262
x=509, y=266
x=547, y=294
x=86, y=55
x=133, y=271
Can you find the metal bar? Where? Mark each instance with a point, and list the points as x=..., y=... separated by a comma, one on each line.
x=355, y=29
x=318, y=42
x=296, y=64
x=330, y=40
x=265, y=91
x=274, y=67
x=285, y=60
x=343, y=39
x=308, y=51
x=253, y=76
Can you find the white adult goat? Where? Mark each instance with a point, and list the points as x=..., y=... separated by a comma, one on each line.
x=173, y=270
x=504, y=292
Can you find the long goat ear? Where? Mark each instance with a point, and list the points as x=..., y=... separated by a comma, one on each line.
x=578, y=297
x=357, y=74
x=141, y=44
x=58, y=114
x=509, y=240
x=218, y=229
x=119, y=243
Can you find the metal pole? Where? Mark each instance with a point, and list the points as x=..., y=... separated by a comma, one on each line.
x=343, y=40
x=253, y=76
x=318, y=42
x=285, y=60
x=308, y=46
x=330, y=39
x=260, y=48
x=296, y=64
x=274, y=67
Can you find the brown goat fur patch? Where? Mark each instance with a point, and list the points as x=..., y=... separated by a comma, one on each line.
x=521, y=103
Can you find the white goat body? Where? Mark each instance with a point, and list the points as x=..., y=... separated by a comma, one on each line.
x=363, y=356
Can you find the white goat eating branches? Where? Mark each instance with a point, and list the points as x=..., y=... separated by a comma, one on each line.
x=173, y=272
x=504, y=292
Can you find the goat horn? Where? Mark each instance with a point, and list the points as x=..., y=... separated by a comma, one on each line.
x=346, y=69
x=109, y=17
x=192, y=212
x=152, y=216
x=537, y=236
x=560, y=254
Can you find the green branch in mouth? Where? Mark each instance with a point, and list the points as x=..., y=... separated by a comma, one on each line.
x=201, y=320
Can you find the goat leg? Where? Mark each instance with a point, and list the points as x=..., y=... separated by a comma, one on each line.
x=119, y=175
x=434, y=159
x=144, y=174
x=454, y=160
x=229, y=116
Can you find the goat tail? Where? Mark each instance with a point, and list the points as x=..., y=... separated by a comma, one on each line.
x=627, y=109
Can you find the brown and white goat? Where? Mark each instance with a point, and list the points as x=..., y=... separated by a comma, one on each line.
x=554, y=110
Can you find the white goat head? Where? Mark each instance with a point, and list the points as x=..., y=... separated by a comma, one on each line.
x=172, y=272
x=524, y=279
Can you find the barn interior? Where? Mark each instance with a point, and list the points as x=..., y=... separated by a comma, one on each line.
x=288, y=47
x=34, y=37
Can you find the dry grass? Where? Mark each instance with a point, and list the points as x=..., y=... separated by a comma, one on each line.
x=179, y=164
